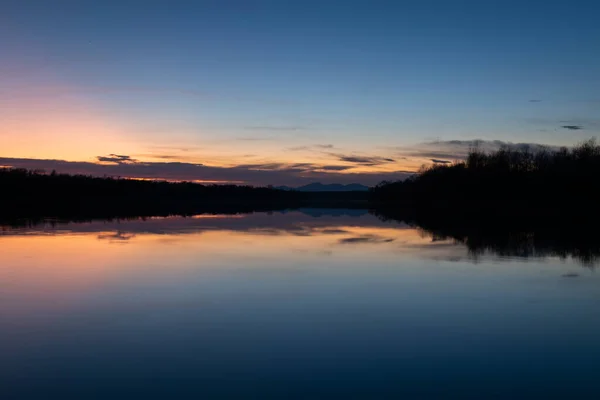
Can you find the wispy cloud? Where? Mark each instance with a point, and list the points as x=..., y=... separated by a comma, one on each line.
x=368, y=238
x=572, y=127
x=452, y=150
x=311, y=147
x=436, y=161
x=298, y=148
x=335, y=167
x=334, y=231
x=364, y=160
x=294, y=167
x=117, y=159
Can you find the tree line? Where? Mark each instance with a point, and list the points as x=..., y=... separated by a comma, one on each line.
x=507, y=181
x=35, y=193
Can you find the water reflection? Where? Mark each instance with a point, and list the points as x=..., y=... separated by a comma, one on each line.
x=297, y=304
x=566, y=239
x=459, y=239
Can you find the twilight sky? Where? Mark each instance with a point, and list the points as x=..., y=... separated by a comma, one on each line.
x=290, y=92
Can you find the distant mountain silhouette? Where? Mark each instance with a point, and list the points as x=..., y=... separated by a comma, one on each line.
x=334, y=187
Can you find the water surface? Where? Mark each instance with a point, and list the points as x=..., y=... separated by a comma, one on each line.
x=302, y=304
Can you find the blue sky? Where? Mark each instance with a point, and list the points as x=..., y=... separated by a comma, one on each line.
x=225, y=83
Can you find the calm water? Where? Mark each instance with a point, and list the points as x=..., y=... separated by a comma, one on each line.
x=311, y=305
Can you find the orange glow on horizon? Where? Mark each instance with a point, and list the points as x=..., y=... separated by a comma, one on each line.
x=55, y=121
x=51, y=123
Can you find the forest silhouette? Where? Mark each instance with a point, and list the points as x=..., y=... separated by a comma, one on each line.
x=35, y=194
x=505, y=183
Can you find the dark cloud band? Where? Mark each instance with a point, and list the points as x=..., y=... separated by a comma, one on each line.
x=294, y=174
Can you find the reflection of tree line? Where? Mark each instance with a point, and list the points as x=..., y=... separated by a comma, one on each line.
x=505, y=237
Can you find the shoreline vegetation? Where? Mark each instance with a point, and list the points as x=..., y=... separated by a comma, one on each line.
x=507, y=183
x=37, y=194
x=515, y=184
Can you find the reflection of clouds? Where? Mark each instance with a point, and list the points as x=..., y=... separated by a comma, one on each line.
x=116, y=237
x=334, y=228
x=320, y=231
x=570, y=275
x=343, y=234
x=298, y=222
x=334, y=231
x=369, y=238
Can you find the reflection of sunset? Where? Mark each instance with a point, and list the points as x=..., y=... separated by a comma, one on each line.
x=55, y=265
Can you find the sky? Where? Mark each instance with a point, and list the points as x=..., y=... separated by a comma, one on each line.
x=290, y=92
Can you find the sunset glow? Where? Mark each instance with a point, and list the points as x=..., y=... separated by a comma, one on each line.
x=342, y=110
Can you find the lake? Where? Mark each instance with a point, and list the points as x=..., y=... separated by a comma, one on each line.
x=307, y=304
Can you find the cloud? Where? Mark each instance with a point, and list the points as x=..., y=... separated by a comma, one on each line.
x=453, y=150
x=440, y=161
x=264, y=166
x=117, y=158
x=334, y=231
x=117, y=236
x=302, y=165
x=298, y=148
x=311, y=147
x=295, y=167
x=335, y=167
x=365, y=239
x=291, y=174
x=572, y=127
x=535, y=101
x=364, y=160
